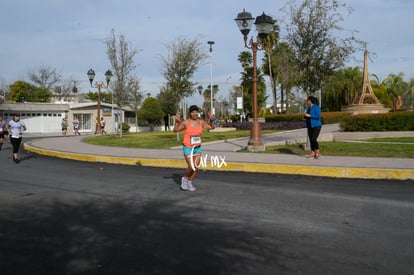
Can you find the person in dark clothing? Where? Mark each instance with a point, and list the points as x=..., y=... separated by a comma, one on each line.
x=314, y=125
x=167, y=122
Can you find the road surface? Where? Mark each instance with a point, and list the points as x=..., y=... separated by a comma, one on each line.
x=64, y=217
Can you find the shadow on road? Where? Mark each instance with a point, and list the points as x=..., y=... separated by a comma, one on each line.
x=117, y=238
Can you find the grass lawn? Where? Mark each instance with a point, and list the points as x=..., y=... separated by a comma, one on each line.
x=399, y=140
x=161, y=140
x=351, y=149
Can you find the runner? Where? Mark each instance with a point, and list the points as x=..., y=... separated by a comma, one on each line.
x=64, y=125
x=76, y=125
x=193, y=129
x=15, y=128
x=3, y=129
x=102, y=124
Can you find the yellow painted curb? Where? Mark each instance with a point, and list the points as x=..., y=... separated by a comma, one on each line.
x=335, y=172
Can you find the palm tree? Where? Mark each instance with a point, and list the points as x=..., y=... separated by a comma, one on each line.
x=246, y=59
x=396, y=87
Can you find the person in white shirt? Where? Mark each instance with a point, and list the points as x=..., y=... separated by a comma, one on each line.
x=16, y=127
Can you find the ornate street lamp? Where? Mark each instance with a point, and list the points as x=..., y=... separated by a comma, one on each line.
x=99, y=85
x=264, y=25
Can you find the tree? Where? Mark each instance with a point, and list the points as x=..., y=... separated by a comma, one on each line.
x=311, y=30
x=121, y=56
x=341, y=88
x=45, y=77
x=283, y=67
x=151, y=111
x=247, y=83
x=246, y=59
x=271, y=43
x=135, y=97
x=168, y=101
x=21, y=91
x=184, y=58
x=3, y=90
x=105, y=97
x=381, y=92
x=396, y=87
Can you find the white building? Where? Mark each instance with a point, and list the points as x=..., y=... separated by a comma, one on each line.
x=47, y=117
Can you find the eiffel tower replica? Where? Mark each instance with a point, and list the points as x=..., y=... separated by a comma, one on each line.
x=366, y=102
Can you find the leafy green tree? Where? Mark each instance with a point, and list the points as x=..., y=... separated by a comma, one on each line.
x=246, y=59
x=184, y=58
x=21, y=91
x=341, y=88
x=396, y=87
x=168, y=101
x=151, y=111
x=105, y=97
x=247, y=83
x=311, y=29
x=283, y=69
x=381, y=91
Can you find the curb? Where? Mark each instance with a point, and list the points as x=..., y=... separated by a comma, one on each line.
x=320, y=171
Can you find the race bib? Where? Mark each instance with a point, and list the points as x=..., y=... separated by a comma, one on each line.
x=15, y=136
x=194, y=140
x=1, y=130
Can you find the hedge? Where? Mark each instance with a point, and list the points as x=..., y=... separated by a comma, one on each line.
x=398, y=121
x=327, y=117
x=293, y=125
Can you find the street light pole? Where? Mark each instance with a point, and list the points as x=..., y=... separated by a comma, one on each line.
x=211, y=43
x=264, y=25
x=99, y=85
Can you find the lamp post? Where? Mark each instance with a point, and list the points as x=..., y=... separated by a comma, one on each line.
x=99, y=85
x=264, y=25
x=211, y=43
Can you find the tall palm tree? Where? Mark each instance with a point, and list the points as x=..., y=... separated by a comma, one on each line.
x=246, y=59
x=396, y=87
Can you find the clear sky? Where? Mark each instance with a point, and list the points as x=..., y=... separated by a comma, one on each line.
x=70, y=35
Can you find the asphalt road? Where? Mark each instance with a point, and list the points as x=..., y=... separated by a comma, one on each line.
x=65, y=217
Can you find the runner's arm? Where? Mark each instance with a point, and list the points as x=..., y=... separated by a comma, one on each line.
x=179, y=125
x=210, y=126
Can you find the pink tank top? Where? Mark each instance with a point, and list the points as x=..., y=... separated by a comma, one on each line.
x=192, y=136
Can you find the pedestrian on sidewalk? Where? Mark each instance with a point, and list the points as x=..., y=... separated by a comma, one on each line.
x=3, y=130
x=16, y=126
x=64, y=125
x=314, y=125
x=76, y=125
x=193, y=129
x=166, y=122
x=102, y=124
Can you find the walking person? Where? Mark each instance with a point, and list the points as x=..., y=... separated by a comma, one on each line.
x=3, y=131
x=193, y=129
x=76, y=125
x=16, y=126
x=64, y=125
x=102, y=124
x=166, y=122
x=314, y=125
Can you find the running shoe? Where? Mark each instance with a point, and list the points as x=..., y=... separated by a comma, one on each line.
x=191, y=187
x=184, y=184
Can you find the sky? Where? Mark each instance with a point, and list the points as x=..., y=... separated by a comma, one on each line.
x=70, y=36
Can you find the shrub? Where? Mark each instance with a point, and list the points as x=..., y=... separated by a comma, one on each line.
x=292, y=125
x=327, y=117
x=125, y=127
x=398, y=121
x=151, y=111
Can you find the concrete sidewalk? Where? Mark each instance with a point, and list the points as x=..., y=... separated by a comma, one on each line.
x=221, y=156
